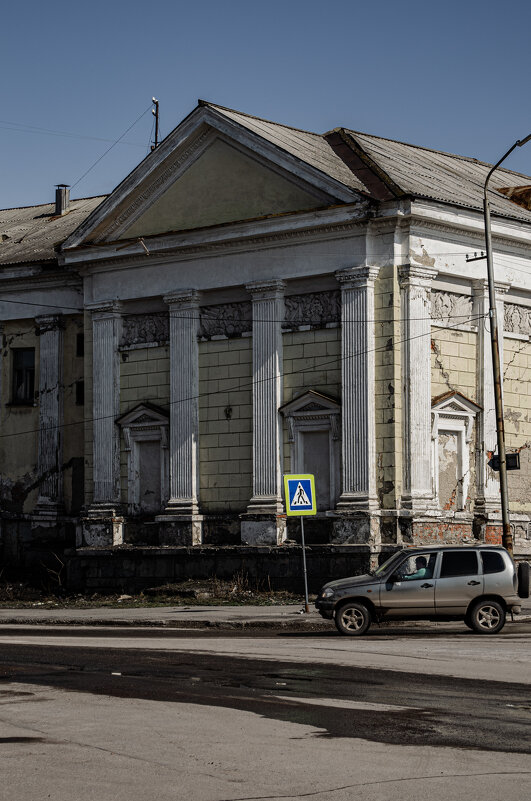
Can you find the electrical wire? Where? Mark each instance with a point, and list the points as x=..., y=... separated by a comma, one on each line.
x=236, y=388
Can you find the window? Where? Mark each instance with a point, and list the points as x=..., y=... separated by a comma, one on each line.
x=80, y=344
x=459, y=563
x=80, y=393
x=417, y=567
x=23, y=376
x=492, y=562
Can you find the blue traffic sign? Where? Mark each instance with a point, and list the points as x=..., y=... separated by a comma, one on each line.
x=300, y=494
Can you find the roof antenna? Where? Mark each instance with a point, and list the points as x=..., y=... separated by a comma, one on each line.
x=155, y=112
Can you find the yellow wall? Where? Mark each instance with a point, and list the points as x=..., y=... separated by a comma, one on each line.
x=312, y=360
x=225, y=445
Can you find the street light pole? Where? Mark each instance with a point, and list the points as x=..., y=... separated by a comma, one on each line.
x=507, y=537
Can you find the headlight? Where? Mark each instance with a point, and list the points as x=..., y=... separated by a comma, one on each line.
x=327, y=593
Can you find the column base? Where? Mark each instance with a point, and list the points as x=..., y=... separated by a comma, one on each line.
x=265, y=505
x=48, y=511
x=420, y=505
x=356, y=502
x=179, y=507
x=259, y=529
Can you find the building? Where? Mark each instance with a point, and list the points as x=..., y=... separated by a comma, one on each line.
x=253, y=300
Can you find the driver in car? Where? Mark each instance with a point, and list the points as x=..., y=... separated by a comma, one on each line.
x=421, y=571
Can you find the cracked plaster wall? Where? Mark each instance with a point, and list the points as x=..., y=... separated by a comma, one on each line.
x=517, y=409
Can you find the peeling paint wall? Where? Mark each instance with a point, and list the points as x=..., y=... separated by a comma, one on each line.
x=517, y=408
x=388, y=400
x=453, y=362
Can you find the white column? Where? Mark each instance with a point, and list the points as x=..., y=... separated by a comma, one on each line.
x=487, y=482
x=50, y=455
x=106, y=329
x=268, y=313
x=415, y=284
x=358, y=389
x=184, y=402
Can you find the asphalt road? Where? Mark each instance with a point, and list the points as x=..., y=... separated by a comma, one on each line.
x=368, y=732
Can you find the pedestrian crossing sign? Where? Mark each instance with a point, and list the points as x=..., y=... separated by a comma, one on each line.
x=300, y=494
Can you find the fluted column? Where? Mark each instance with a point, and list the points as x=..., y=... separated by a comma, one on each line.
x=487, y=482
x=50, y=454
x=358, y=389
x=415, y=284
x=184, y=402
x=268, y=313
x=106, y=329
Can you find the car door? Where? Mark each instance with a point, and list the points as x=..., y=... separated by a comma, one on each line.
x=458, y=583
x=402, y=595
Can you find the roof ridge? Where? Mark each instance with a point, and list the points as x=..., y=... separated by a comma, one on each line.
x=434, y=150
x=52, y=203
x=260, y=119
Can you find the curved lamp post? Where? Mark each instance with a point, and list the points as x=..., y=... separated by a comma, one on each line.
x=507, y=537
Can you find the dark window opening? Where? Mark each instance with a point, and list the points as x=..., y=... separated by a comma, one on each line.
x=80, y=344
x=80, y=393
x=23, y=376
x=492, y=562
x=459, y=563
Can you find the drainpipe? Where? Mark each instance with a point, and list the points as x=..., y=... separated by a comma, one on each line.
x=507, y=537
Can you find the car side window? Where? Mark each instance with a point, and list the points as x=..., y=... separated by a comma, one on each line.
x=492, y=562
x=459, y=563
x=417, y=566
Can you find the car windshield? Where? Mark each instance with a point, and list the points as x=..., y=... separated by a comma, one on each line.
x=386, y=565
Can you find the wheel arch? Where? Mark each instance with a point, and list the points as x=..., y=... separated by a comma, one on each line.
x=487, y=597
x=360, y=599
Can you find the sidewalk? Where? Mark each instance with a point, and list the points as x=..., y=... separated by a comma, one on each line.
x=190, y=617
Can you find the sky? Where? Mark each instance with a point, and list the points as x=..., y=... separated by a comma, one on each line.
x=452, y=76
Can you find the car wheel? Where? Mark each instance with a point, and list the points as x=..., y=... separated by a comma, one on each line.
x=523, y=579
x=352, y=619
x=487, y=617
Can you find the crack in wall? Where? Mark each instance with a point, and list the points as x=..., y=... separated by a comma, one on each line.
x=440, y=366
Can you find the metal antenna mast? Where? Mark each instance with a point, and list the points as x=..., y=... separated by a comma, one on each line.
x=155, y=112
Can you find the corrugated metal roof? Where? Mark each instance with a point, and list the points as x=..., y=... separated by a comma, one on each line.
x=309, y=147
x=458, y=180
x=31, y=233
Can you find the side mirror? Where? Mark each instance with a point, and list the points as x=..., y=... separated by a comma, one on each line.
x=394, y=577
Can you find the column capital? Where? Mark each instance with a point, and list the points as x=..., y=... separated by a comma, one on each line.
x=104, y=309
x=49, y=322
x=416, y=275
x=481, y=286
x=357, y=277
x=182, y=299
x=266, y=290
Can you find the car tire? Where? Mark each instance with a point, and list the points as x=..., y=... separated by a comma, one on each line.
x=468, y=621
x=352, y=618
x=487, y=617
x=523, y=579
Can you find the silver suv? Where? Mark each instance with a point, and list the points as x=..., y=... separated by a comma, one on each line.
x=478, y=585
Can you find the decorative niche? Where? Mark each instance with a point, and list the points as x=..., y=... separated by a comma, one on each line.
x=314, y=433
x=453, y=418
x=145, y=431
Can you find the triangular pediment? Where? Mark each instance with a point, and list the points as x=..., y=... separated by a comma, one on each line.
x=209, y=171
x=144, y=414
x=454, y=402
x=311, y=402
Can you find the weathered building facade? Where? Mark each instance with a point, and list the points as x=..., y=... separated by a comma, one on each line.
x=254, y=300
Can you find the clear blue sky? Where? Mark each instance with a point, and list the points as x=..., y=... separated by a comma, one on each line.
x=453, y=76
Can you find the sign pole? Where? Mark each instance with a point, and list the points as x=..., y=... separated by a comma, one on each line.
x=306, y=604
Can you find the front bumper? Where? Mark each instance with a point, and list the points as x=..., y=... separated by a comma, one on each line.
x=325, y=607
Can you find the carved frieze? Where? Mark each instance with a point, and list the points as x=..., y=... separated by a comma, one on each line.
x=517, y=319
x=226, y=319
x=314, y=309
x=451, y=309
x=141, y=329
